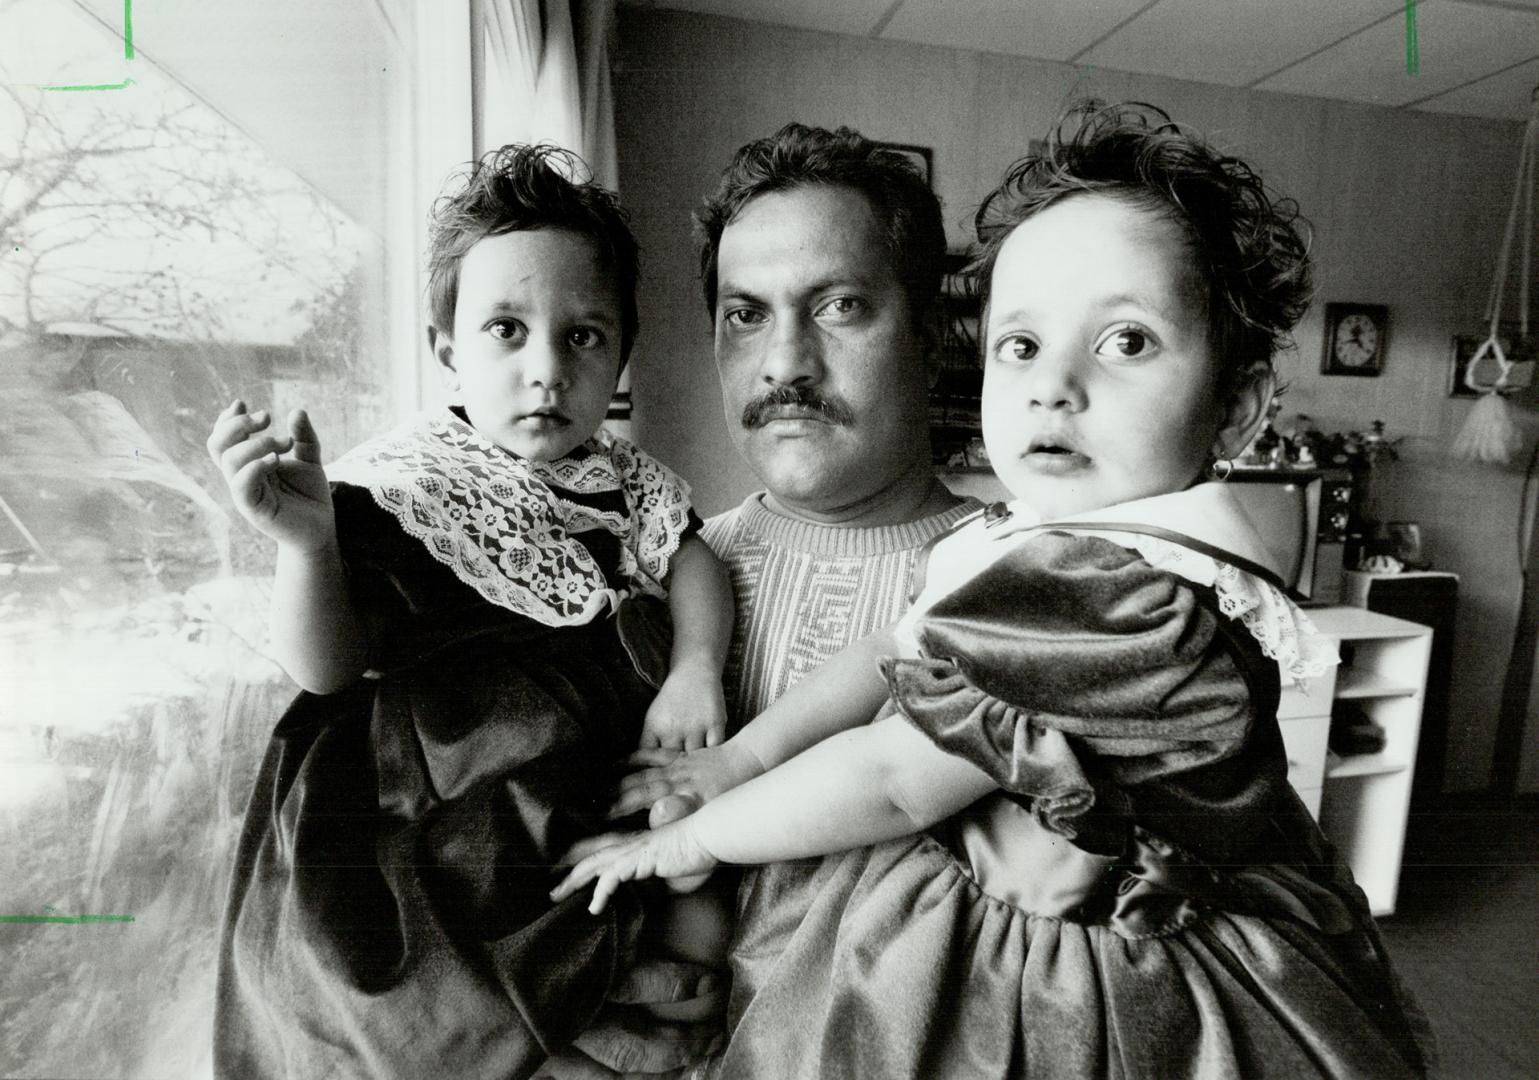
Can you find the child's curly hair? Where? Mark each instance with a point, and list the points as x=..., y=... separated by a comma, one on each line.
x=1246, y=247
x=518, y=187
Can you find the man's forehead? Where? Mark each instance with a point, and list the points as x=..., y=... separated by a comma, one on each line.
x=809, y=235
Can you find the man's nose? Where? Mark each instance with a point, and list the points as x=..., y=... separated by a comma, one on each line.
x=793, y=355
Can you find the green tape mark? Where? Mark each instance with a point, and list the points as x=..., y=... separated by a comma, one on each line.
x=1412, y=55
x=128, y=54
x=68, y=920
x=97, y=86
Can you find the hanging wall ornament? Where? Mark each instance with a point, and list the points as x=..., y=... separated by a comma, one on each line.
x=1489, y=433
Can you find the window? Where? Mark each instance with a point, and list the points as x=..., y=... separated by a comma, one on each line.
x=236, y=220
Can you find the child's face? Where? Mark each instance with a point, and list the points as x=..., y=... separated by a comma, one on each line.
x=1098, y=385
x=536, y=340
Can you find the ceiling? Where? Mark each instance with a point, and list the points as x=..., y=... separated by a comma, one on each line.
x=1474, y=57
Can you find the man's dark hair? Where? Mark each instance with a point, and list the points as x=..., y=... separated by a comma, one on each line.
x=518, y=187
x=1251, y=260
x=905, y=209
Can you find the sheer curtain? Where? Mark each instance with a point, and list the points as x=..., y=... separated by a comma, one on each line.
x=544, y=76
x=547, y=78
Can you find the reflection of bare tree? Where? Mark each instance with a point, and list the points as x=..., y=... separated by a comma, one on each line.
x=150, y=216
x=155, y=264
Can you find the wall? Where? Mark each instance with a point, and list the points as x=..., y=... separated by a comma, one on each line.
x=1407, y=207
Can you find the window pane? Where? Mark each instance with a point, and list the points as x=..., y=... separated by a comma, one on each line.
x=159, y=262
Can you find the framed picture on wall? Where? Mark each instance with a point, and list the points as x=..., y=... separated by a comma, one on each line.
x=920, y=157
x=1514, y=348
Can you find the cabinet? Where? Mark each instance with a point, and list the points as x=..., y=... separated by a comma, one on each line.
x=1361, y=800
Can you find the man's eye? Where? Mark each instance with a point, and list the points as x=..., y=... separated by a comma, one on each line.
x=1015, y=347
x=743, y=316
x=505, y=329
x=842, y=305
x=1125, y=342
x=585, y=337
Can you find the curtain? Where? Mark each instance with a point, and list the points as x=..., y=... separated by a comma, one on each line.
x=547, y=78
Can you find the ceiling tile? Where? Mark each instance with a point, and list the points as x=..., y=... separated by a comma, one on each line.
x=1045, y=31
x=1235, y=44
x=1456, y=43
x=839, y=17
x=1504, y=96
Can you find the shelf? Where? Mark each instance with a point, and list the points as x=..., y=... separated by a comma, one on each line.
x=1353, y=682
x=1386, y=761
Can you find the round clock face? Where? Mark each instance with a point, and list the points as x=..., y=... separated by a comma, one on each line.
x=1357, y=339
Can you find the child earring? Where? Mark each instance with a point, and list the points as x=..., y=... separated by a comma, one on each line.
x=1220, y=468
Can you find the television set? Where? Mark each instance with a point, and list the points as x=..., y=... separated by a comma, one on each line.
x=1303, y=516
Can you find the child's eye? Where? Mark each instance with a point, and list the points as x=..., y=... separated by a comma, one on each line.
x=584, y=337
x=1015, y=347
x=1126, y=342
x=505, y=329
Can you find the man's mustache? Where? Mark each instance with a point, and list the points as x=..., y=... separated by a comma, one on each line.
x=790, y=402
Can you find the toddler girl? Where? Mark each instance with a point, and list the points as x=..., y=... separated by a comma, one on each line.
x=466, y=603
x=1088, y=860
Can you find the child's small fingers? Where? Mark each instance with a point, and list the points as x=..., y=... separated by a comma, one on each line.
x=247, y=483
x=603, y=889
x=306, y=443
x=238, y=456
x=650, y=739
x=653, y=756
x=716, y=734
x=694, y=741
x=639, y=798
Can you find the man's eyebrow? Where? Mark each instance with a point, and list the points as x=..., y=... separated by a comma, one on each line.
x=852, y=279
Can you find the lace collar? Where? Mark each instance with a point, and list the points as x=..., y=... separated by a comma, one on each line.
x=503, y=525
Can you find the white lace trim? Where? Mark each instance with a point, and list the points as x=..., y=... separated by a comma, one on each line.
x=1284, y=632
x=493, y=519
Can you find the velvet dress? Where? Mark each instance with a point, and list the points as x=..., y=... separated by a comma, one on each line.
x=1144, y=896
x=388, y=913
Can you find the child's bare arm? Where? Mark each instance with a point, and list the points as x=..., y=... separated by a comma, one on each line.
x=859, y=787
x=844, y=693
x=278, y=484
x=690, y=711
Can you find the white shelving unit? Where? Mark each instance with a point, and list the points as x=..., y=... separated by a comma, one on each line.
x=1362, y=801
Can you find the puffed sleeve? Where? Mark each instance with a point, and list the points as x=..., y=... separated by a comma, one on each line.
x=1071, y=670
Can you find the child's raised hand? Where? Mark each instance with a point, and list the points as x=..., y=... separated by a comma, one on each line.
x=688, y=713
x=699, y=774
x=671, y=851
x=276, y=480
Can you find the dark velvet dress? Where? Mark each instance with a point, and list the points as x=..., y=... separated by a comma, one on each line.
x=388, y=913
x=1143, y=897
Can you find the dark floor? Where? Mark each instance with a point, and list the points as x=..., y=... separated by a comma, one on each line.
x=1465, y=934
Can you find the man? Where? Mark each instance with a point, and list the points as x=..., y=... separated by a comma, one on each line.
x=821, y=260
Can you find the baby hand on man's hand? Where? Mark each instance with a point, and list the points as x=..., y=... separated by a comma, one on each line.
x=700, y=775
x=689, y=711
x=671, y=851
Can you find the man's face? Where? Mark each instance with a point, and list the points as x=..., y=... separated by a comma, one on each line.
x=822, y=369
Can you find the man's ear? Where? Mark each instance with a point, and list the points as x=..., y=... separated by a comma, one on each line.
x=442, y=346
x=1247, y=410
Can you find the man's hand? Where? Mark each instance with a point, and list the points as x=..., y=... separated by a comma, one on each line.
x=689, y=711
x=625, y=1041
x=699, y=775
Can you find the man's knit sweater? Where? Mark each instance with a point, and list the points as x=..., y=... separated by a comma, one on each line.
x=805, y=591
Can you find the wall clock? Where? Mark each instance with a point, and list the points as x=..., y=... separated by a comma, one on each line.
x=1354, y=339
